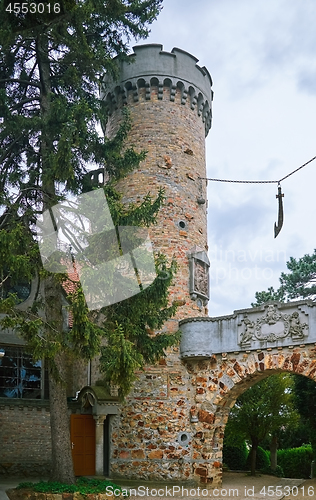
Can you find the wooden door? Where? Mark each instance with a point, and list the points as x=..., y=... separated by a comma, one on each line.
x=82, y=432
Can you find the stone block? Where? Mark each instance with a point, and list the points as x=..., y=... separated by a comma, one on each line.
x=201, y=471
x=138, y=454
x=205, y=416
x=155, y=454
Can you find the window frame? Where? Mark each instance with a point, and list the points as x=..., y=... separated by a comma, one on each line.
x=21, y=355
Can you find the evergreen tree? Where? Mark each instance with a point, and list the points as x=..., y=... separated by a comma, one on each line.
x=268, y=296
x=300, y=282
x=51, y=67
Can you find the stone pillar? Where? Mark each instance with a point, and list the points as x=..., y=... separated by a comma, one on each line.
x=99, y=421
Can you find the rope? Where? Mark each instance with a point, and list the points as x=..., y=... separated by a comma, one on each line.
x=261, y=182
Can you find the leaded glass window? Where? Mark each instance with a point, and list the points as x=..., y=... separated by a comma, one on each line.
x=20, y=376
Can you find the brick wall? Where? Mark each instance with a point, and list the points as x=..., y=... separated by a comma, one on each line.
x=25, y=446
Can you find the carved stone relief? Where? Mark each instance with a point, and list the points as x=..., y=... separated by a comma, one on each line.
x=201, y=278
x=199, y=274
x=272, y=326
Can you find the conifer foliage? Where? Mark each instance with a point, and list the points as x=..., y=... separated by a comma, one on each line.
x=298, y=283
x=51, y=67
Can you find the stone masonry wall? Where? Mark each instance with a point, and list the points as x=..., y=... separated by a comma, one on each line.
x=174, y=136
x=146, y=440
x=153, y=437
x=218, y=382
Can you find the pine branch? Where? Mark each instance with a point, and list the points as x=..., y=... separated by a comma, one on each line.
x=9, y=149
x=23, y=82
x=25, y=101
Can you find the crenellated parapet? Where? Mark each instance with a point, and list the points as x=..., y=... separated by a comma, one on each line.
x=150, y=71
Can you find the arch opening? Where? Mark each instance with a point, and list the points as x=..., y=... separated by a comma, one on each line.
x=220, y=380
x=262, y=415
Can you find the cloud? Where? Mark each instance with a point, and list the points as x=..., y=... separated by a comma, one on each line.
x=307, y=81
x=261, y=56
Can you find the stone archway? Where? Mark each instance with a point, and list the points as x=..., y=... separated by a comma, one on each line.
x=261, y=342
x=219, y=381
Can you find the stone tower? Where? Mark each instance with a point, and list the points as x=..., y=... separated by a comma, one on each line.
x=169, y=97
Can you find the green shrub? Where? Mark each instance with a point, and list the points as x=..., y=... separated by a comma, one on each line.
x=83, y=485
x=263, y=459
x=278, y=472
x=296, y=462
x=234, y=457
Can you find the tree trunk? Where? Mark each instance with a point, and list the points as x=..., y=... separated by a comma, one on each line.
x=254, y=447
x=62, y=466
x=273, y=452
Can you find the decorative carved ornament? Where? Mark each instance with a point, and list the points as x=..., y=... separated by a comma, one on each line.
x=201, y=278
x=199, y=275
x=272, y=326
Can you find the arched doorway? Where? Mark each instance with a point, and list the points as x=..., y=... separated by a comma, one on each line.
x=220, y=380
x=226, y=355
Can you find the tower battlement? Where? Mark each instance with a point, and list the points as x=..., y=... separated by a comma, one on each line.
x=151, y=67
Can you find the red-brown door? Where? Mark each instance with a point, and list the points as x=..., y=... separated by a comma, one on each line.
x=82, y=432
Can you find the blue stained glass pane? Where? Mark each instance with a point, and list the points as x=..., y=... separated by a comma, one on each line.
x=20, y=376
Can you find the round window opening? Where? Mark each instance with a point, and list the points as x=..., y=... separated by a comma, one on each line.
x=184, y=438
x=182, y=224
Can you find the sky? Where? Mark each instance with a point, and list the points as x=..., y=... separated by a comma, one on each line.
x=261, y=56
